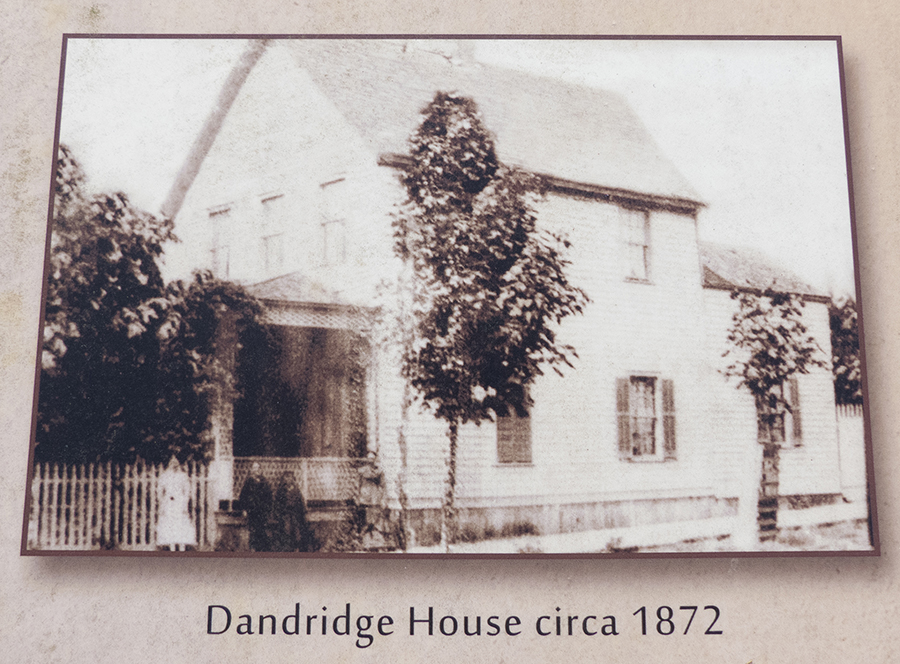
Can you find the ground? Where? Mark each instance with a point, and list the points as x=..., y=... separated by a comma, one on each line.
x=841, y=536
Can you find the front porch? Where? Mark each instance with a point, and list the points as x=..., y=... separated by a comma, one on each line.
x=301, y=406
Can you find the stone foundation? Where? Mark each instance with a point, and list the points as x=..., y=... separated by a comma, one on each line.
x=504, y=521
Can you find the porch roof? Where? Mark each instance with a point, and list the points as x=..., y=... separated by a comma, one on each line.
x=296, y=288
x=296, y=300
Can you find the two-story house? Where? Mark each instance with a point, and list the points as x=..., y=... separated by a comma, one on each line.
x=289, y=190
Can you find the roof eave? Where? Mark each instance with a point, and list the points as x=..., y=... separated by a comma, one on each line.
x=807, y=297
x=615, y=195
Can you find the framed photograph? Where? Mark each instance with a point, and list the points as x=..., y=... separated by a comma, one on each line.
x=461, y=296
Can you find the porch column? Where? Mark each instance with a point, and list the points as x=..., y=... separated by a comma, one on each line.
x=222, y=414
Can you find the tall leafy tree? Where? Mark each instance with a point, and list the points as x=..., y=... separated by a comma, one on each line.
x=769, y=345
x=126, y=360
x=489, y=287
x=105, y=301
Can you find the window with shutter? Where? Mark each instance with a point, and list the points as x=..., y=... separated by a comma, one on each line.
x=642, y=434
x=782, y=422
x=513, y=438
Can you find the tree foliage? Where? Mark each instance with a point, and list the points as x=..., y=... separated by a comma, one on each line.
x=490, y=287
x=103, y=266
x=125, y=358
x=845, y=352
x=769, y=344
x=192, y=370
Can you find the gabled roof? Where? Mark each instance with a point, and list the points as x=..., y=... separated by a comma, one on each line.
x=547, y=126
x=727, y=268
x=583, y=139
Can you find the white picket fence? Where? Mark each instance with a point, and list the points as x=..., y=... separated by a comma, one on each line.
x=107, y=506
x=852, y=442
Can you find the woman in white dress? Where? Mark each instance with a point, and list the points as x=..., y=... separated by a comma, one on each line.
x=175, y=528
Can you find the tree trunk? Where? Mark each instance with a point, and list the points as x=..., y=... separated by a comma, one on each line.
x=448, y=509
x=767, y=504
x=221, y=399
x=403, y=326
x=402, y=525
x=768, y=493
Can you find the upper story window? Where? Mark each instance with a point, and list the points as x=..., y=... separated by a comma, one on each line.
x=273, y=212
x=273, y=223
x=273, y=253
x=220, y=219
x=334, y=250
x=334, y=207
x=645, y=410
x=635, y=229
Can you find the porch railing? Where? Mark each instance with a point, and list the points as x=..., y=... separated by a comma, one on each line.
x=321, y=479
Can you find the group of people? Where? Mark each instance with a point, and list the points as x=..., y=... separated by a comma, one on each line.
x=277, y=520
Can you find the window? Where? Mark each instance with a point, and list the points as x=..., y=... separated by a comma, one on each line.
x=646, y=418
x=219, y=253
x=782, y=423
x=334, y=198
x=333, y=242
x=273, y=222
x=273, y=212
x=636, y=244
x=273, y=253
x=513, y=438
x=221, y=262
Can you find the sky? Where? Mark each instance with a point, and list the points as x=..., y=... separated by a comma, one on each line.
x=756, y=126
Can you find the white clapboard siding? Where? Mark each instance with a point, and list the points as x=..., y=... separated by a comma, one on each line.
x=106, y=506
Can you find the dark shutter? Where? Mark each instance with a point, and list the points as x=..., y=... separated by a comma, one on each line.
x=797, y=428
x=668, y=400
x=623, y=415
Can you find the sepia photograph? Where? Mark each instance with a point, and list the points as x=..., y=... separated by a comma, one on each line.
x=467, y=296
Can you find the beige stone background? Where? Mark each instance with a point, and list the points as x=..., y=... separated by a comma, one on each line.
x=88, y=609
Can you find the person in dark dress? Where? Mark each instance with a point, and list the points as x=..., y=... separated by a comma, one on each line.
x=256, y=500
x=290, y=529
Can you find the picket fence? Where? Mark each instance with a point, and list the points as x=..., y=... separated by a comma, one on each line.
x=852, y=446
x=849, y=410
x=107, y=506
